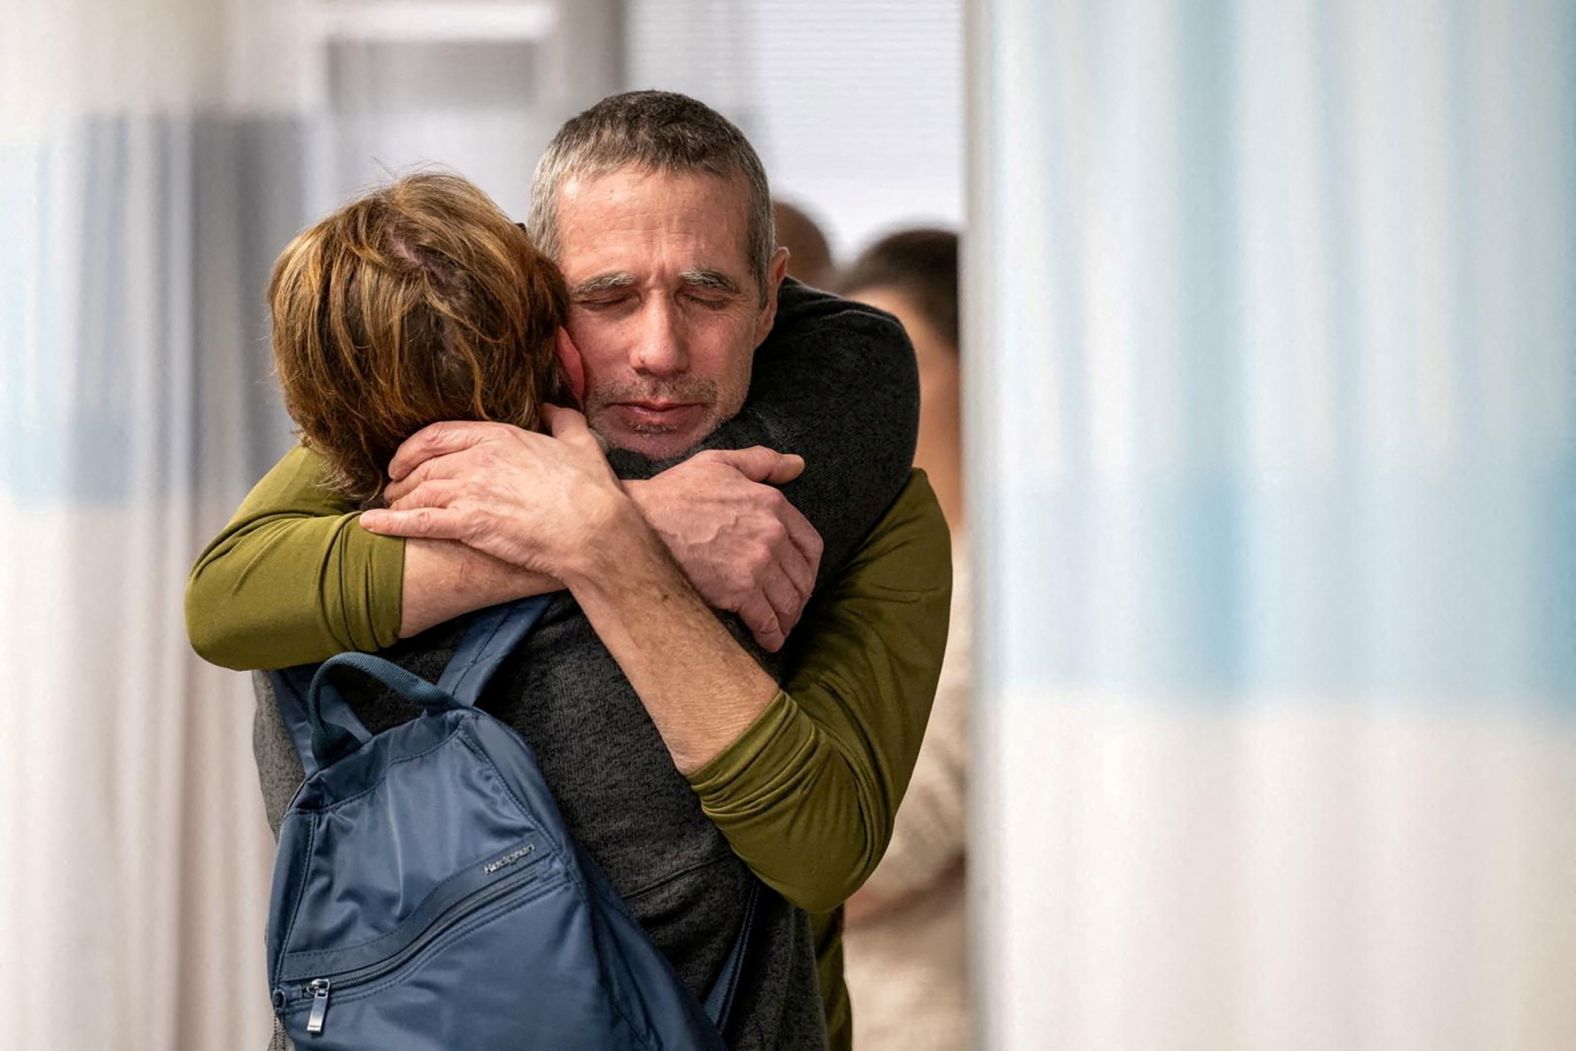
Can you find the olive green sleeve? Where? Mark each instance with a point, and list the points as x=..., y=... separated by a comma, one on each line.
x=807, y=795
x=293, y=578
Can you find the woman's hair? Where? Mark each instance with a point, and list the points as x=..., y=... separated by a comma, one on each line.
x=418, y=302
x=920, y=263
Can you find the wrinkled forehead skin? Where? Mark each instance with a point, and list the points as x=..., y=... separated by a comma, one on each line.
x=592, y=206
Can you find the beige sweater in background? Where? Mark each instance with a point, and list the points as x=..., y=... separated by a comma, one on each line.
x=907, y=965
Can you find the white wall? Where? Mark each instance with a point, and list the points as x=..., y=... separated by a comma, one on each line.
x=856, y=109
x=484, y=104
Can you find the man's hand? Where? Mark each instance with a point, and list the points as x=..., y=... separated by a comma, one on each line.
x=743, y=546
x=532, y=500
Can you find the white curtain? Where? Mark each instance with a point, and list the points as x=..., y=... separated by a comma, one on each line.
x=1272, y=403
x=151, y=164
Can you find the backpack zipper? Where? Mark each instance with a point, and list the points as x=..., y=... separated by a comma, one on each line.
x=319, y=988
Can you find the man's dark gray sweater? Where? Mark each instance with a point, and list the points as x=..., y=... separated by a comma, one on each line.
x=836, y=383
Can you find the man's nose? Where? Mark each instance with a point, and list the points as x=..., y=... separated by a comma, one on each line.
x=661, y=349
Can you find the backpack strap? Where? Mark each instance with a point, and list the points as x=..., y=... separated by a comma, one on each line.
x=291, y=688
x=719, y=1002
x=334, y=737
x=492, y=635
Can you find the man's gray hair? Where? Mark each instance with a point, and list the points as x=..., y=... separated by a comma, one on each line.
x=654, y=131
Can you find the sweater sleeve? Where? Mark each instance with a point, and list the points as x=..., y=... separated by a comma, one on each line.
x=930, y=832
x=293, y=578
x=807, y=795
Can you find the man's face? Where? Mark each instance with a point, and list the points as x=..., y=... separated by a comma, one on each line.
x=662, y=305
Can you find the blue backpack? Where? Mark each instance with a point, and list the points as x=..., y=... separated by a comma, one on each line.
x=427, y=895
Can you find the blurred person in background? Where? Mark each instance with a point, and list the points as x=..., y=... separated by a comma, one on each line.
x=677, y=760
x=905, y=940
x=809, y=256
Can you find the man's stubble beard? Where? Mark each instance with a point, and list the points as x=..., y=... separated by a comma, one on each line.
x=690, y=389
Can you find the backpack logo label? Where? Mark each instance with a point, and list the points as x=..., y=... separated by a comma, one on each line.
x=507, y=860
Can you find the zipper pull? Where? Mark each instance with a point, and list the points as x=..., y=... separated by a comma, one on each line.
x=319, y=990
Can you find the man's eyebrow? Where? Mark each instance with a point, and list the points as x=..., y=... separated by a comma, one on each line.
x=602, y=283
x=699, y=277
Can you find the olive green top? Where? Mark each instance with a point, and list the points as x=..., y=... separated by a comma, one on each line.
x=806, y=796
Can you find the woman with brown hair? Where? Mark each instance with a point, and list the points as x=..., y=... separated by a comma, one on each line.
x=420, y=301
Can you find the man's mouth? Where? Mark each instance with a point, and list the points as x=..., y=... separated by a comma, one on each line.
x=663, y=414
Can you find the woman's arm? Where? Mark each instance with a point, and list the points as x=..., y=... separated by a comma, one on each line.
x=930, y=833
x=807, y=795
x=293, y=578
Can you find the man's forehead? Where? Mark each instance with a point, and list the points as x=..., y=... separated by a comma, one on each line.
x=631, y=210
x=629, y=196
x=604, y=182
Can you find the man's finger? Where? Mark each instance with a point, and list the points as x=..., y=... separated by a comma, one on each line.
x=760, y=464
x=799, y=570
x=431, y=492
x=808, y=543
x=573, y=364
x=567, y=425
x=758, y=617
x=448, y=465
x=786, y=601
x=427, y=523
x=437, y=439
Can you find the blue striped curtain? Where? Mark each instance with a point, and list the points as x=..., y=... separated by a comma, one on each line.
x=1272, y=402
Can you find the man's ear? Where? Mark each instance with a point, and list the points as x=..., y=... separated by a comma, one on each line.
x=775, y=271
x=572, y=366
